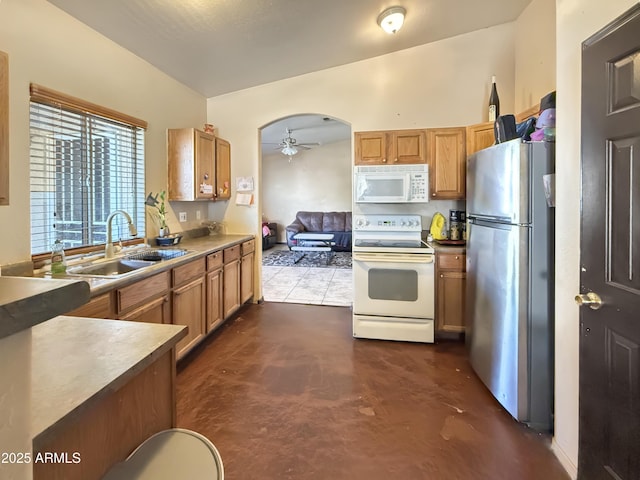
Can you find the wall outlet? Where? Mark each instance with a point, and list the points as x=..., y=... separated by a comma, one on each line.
x=198, y=214
x=183, y=216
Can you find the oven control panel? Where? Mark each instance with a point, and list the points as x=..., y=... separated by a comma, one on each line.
x=387, y=223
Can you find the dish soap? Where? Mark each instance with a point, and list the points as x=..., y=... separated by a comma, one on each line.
x=58, y=262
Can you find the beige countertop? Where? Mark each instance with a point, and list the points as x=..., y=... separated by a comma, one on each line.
x=25, y=302
x=197, y=247
x=76, y=362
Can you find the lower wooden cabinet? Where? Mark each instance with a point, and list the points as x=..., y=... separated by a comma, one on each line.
x=246, y=270
x=215, y=281
x=188, y=302
x=97, y=307
x=155, y=311
x=450, y=290
x=200, y=294
x=231, y=287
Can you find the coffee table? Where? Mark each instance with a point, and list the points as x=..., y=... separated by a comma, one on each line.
x=313, y=242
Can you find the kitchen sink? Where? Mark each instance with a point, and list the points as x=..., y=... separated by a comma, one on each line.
x=120, y=267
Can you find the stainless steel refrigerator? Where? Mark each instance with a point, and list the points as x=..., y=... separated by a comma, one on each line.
x=510, y=277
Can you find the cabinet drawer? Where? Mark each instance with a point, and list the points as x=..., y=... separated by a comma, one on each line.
x=184, y=273
x=231, y=253
x=248, y=247
x=451, y=261
x=214, y=260
x=138, y=292
x=97, y=307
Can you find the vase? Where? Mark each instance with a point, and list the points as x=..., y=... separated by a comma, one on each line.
x=163, y=232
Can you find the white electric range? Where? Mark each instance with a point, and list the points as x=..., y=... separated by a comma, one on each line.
x=393, y=275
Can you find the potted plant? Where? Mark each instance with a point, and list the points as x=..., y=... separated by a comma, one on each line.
x=161, y=213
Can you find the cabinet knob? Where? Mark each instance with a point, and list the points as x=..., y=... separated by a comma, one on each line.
x=384, y=160
x=206, y=176
x=441, y=276
x=433, y=194
x=457, y=257
x=396, y=160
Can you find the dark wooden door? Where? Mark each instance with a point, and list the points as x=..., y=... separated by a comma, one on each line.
x=609, y=445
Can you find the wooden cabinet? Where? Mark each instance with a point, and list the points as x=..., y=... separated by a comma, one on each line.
x=447, y=163
x=191, y=162
x=97, y=307
x=479, y=136
x=214, y=291
x=4, y=129
x=223, y=169
x=155, y=311
x=141, y=292
x=247, y=250
x=199, y=165
x=231, y=280
x=188, y=303
x=450, y=290
x=392, y=147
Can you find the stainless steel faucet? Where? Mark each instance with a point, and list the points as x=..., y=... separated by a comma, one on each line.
x=109, y=249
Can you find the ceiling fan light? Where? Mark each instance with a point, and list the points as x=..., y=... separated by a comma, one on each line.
x=289, y=150
x=391, y=19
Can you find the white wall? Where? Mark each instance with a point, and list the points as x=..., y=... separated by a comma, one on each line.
x=442, y=84
x=535, y=53
x=577, y=20
x=48, y=47
x=317, y=180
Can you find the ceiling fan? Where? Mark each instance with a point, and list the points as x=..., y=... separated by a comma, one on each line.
x=289, y=146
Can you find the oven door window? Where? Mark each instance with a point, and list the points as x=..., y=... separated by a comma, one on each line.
x=390, y=284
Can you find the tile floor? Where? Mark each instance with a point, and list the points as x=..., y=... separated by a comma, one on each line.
x=308, y=285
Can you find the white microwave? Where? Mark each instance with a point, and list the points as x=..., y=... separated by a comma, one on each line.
x=391, y=183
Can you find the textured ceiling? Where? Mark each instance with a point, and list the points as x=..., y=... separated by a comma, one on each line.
x=219, y=46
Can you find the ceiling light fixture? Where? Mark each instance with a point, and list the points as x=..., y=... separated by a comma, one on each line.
x=391, y=19
x=289, y=150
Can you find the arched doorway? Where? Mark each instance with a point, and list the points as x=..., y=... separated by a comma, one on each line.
x=306, y=166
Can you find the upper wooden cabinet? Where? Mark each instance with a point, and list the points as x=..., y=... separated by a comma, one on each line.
x=389, y=148
x=447, y=163
x=479, y=136
x=199, y=165
x=223, y=169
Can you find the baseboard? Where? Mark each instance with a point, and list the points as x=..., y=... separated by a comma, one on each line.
x=564, y=459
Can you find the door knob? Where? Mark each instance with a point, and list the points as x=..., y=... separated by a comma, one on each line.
x=592, y=299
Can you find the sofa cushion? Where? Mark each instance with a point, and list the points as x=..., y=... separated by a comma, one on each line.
x=311, y=221
x=333, y=222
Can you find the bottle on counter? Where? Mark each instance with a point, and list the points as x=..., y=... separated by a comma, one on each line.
x=58, y=261
x=494, y=101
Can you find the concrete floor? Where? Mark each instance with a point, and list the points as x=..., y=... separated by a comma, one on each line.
x=285, y=392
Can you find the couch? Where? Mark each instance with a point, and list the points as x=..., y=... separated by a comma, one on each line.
x=338, y=223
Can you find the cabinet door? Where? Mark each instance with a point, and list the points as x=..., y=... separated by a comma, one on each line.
x=231, y=287
x=223, y=169
x=214, y=299
x=188, y=305
x=246, y=277
x=408, y=146
x=156, y=311
x=370, y=148
x=479, y=136
x=451, y=301
x=447, y=163
x=205, y=165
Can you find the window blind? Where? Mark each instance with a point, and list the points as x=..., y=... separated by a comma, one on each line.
x=83, y=167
